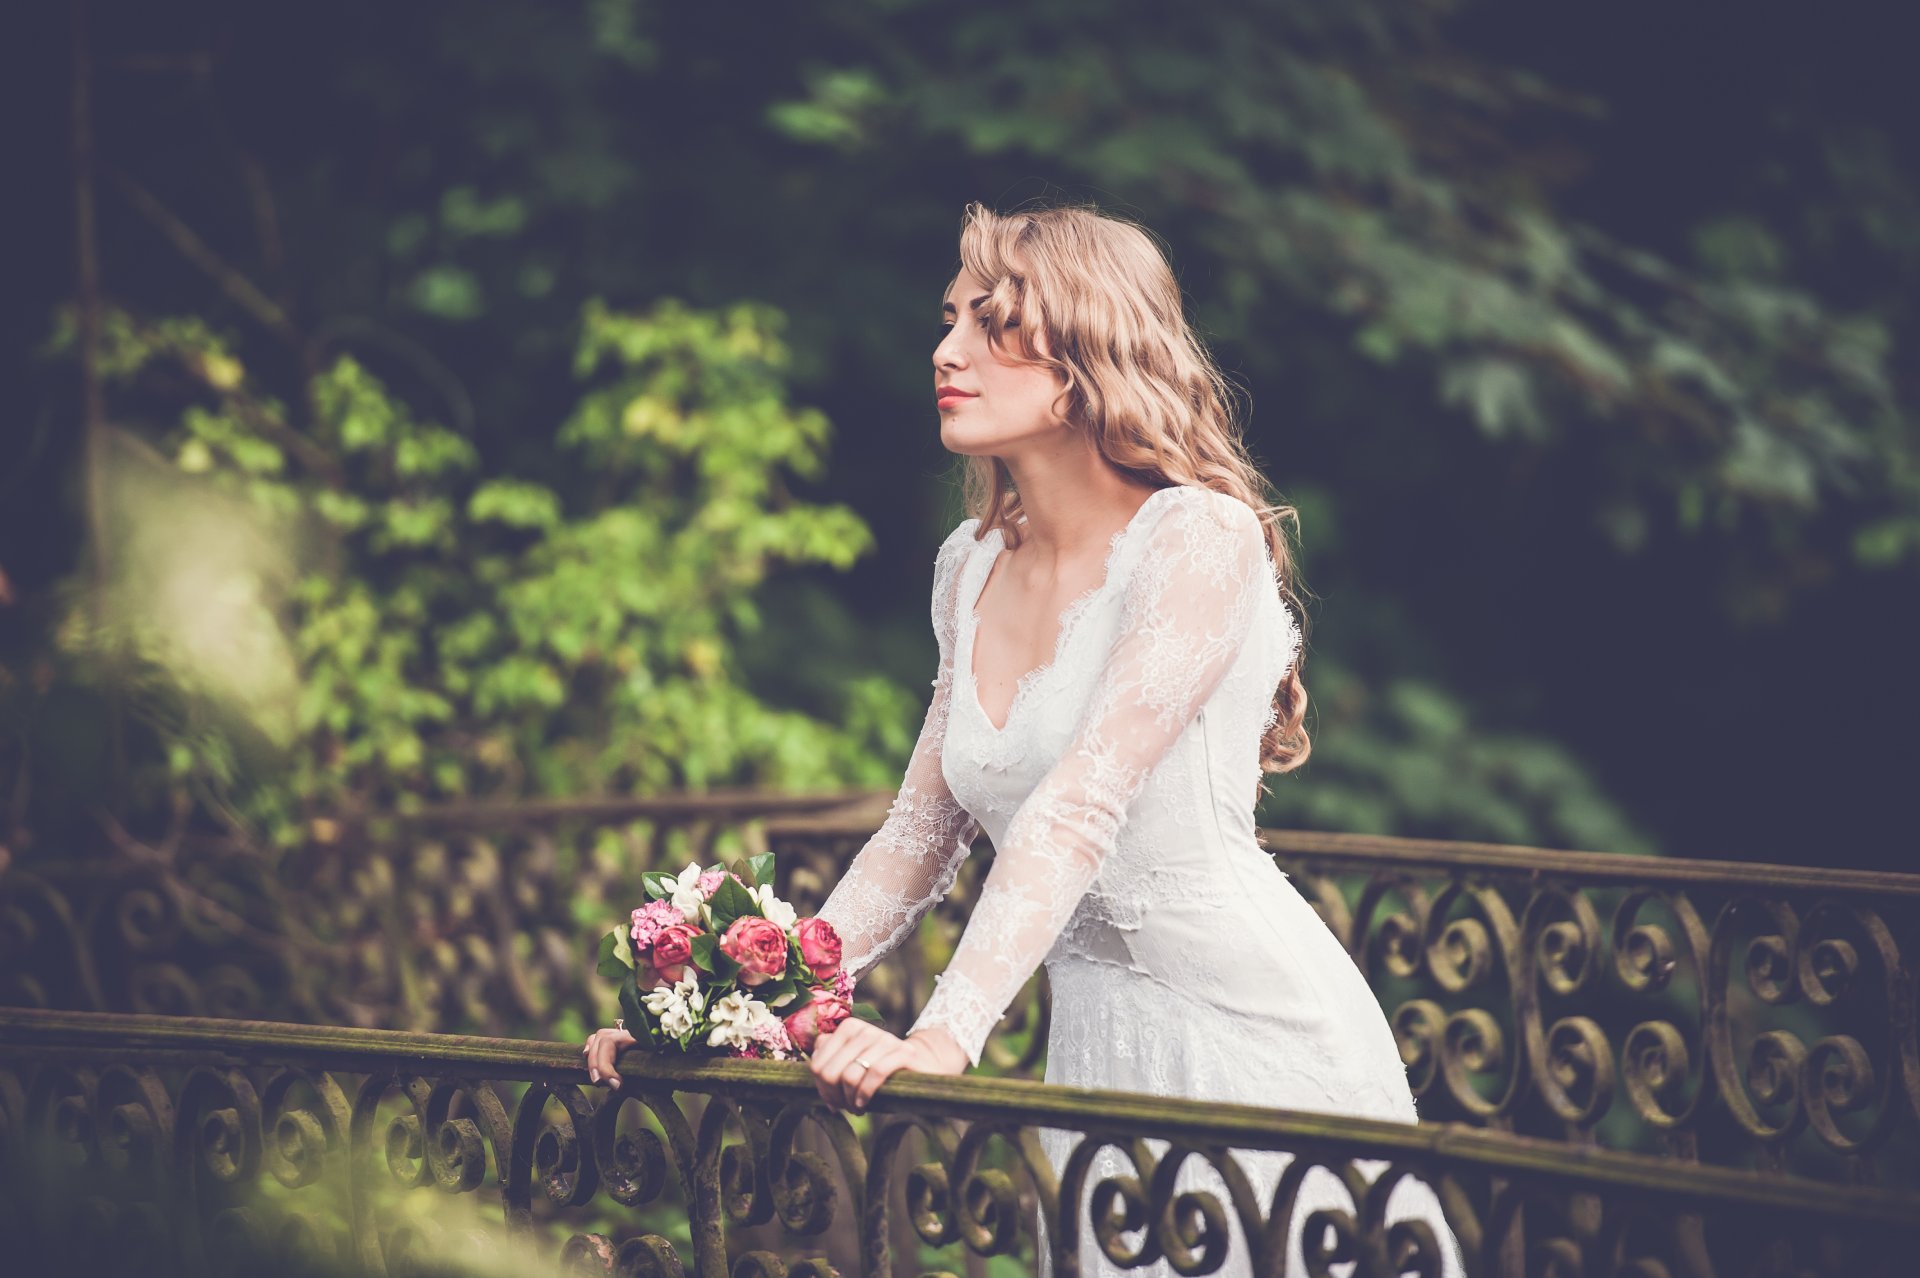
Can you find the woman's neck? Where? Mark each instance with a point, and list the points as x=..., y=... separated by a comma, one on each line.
x=1072, y=499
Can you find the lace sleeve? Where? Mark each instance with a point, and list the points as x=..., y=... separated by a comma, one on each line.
x=1187, y=610
x=910, y=862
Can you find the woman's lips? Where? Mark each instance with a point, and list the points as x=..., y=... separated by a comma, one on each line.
x=947, y=397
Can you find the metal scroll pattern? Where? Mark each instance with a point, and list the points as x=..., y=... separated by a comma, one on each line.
x=1711, y=1017
x=203, y=1166
x=474, y=927
x=482, y=924
x=1713, y=1012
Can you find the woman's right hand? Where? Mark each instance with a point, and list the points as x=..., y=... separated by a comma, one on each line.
x=602, y=1050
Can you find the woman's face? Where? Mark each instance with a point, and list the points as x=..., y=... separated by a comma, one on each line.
x=990, y=405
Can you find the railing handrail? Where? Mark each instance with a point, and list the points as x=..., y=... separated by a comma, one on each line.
x=1407, y=853
x=856, y=813
x=162, y=1039
x=737, y=802
x=1608, y=866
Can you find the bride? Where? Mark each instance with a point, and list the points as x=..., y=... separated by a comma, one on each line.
x=1119, y=668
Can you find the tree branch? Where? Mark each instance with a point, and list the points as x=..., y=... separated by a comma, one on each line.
x=239, y=289
x=93, y=396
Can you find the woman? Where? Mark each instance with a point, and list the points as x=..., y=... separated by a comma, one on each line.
x=1119, y=665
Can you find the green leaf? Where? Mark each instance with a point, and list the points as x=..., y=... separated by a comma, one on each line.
x=704, y=949
x=867, y=1013
x=802, y=995
x=634, y=1012
x=762, y=867
x=658, y=884
x=745, y=870
x=450, y=292
x=730, y=902
x=616, y=955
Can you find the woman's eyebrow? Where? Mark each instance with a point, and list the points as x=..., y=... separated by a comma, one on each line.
x=947, y=308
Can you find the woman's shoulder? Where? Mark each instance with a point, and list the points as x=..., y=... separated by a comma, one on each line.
x=1184, y=504
x=1199, y=524
x=947, y=565
x=963, y=536
x=955, y=550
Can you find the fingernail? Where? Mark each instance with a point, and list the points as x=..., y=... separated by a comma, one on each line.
x=613, y=1081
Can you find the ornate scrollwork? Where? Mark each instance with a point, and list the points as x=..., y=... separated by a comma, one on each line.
x=207, y=1166
x=406, y=930
x=1723, y=1013
x=1734, y=1015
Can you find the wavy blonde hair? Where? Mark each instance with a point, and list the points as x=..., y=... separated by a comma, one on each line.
x=1138, y=381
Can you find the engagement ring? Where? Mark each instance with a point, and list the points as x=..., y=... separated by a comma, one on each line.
x=863, y=1062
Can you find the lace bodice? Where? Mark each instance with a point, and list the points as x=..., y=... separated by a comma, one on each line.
x=1122, y=780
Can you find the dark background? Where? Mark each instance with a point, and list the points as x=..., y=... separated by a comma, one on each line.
x=1547, y=606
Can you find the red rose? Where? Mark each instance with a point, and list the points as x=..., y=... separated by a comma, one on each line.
x=819, y=1017
x=759, y=946
x=820, y=947
x=673, y=950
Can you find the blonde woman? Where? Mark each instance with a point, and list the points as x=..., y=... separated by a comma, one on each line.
x=1119, y=668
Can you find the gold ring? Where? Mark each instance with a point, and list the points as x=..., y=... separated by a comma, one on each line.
x=863, y=1062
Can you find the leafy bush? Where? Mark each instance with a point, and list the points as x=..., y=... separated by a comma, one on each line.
x=370, y=614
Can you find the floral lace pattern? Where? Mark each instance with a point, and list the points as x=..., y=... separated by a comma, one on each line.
x=911, y=861
x=1119, y=798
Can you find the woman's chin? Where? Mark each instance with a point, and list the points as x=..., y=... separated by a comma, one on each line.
x=972, y=443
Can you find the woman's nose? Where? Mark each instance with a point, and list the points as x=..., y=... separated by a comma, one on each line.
x=947, y=353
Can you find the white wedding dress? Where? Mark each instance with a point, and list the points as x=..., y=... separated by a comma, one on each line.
x=1119, y=798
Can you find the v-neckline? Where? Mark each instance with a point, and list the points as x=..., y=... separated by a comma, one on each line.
x=1068, y=615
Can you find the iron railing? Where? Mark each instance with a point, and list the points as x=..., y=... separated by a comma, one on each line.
x=460, y=918
x=1748, y=1016
x=191, y=1146
x=1752, y=1016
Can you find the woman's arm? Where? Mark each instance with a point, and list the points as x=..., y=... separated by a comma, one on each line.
x=912, y=859
x=1187, y=612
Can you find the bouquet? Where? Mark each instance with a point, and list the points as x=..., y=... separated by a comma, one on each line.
x=715, y=960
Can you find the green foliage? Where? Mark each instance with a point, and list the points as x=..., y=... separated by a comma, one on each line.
x=1408, y=758
x=455, y=632
x=1341, y=159
x=616, y=955
x=1372, y=222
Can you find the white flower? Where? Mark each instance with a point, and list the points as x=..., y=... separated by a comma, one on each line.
x=740, y=1008
x=777, y=911
x=686, y=893
x=736, y=1017
x=675, y=1004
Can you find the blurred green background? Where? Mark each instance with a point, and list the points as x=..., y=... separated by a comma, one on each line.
x=501, y=399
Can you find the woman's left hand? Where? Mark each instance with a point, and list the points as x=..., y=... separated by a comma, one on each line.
x=850, y=1063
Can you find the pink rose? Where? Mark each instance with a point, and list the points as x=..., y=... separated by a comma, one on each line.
x=820, y=947
x=673, y=950
x=822, y=1016
x=759, y=946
